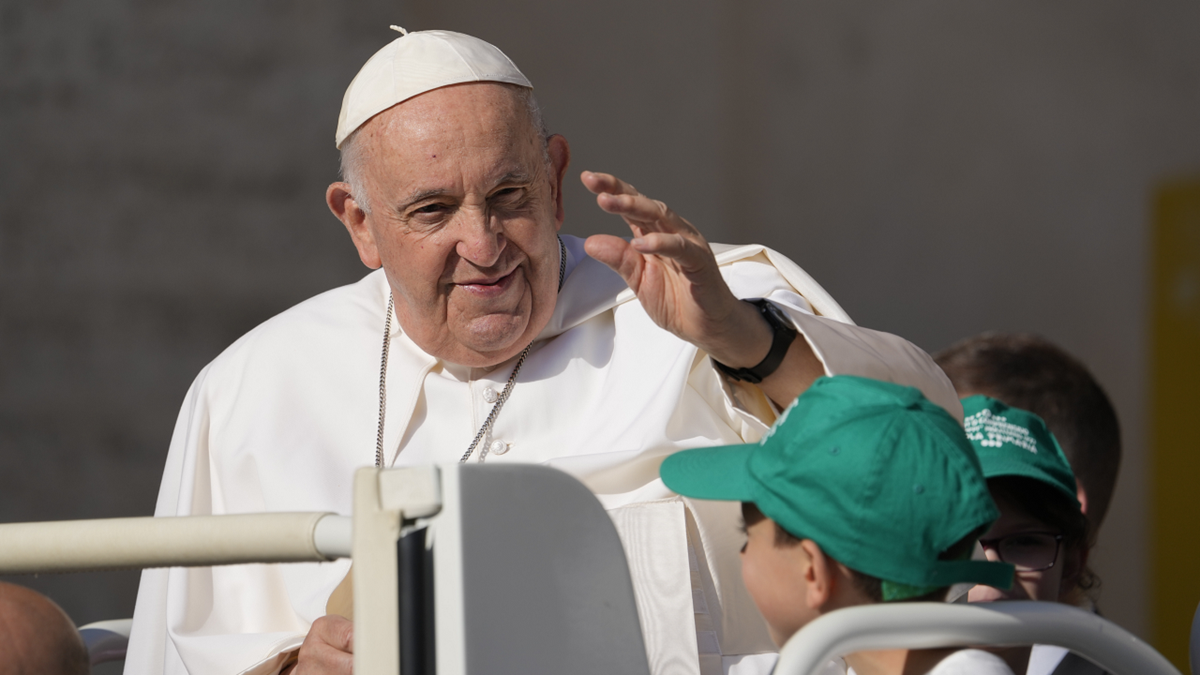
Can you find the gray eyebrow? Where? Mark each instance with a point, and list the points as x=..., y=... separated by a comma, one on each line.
x=421, y=195
x=515, y=177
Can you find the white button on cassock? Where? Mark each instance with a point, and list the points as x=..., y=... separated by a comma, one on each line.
x=490, y=395
x=498, y=447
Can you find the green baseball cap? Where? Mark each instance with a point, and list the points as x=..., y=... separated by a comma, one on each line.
x=881, y=478
x=1013, y=442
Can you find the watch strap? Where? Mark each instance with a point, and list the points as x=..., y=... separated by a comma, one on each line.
x=784, y=334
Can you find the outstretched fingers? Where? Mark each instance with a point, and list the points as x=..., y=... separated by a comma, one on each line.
x=615, y=196
x=634, y=207
x=606, y=183
x=627, y=258
x=689, y=255
x=668, y=263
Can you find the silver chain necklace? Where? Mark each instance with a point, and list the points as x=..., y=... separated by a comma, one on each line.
x=491, y=418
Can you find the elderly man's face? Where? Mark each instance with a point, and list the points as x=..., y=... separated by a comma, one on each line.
x=464, y=215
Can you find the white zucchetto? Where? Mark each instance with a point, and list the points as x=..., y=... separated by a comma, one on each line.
x=415, y=63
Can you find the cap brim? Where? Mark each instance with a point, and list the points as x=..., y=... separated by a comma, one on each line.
x=712, y=473
x=996, y=467
x=986, y=572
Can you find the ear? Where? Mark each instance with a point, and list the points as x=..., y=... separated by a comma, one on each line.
x=819, y=575
x=560, y=157
x=343, y=205
x=1081, y=495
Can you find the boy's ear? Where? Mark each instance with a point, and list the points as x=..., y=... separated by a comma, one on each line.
x=820, y=575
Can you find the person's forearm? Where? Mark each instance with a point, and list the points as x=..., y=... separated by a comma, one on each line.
x=747, y=341
x=800, y=368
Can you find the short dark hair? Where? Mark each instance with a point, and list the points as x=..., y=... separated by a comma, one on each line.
x=1029, y=372
x=870, y=586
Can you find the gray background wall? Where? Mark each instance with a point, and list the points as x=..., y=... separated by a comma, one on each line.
x=942, y=168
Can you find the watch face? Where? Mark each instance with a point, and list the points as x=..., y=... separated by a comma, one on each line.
x=774, y=314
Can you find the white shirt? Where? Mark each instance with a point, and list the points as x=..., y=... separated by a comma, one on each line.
x=282, y=418
x=971, y=662
x=1043, y=659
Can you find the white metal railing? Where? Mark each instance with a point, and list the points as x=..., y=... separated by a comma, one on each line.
x=929, y=625
x=117, y=543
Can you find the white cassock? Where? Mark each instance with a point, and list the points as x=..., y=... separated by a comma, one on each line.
x=282, y=418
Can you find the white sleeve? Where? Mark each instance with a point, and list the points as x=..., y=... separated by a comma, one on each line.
x=183, y=619
x=842, y=347
x=846, y=349
x=147, y=652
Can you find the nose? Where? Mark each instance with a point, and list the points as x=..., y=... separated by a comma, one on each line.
x=481, y=239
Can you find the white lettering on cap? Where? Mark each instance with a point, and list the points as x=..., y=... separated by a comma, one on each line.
x=992, y=431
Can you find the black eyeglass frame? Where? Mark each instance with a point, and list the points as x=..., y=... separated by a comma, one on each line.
x=993, y=544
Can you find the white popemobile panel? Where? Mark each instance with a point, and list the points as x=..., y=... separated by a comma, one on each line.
x=567, y=604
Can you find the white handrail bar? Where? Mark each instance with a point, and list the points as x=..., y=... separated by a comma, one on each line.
x=185, y=541
x=121, y=627
x=928, y=625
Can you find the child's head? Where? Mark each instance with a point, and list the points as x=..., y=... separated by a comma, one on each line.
x=1041, y=529
x=1031, y=373
x=878, y=487
x=792, y=580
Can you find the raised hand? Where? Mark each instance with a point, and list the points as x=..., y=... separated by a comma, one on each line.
x=674, y=273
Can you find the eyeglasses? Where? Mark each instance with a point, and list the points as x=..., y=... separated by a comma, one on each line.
x=1027, y=551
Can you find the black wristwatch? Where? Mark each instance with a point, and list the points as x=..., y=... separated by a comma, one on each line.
x=784, y=332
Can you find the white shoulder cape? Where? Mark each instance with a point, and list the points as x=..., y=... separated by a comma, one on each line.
x=283, y=417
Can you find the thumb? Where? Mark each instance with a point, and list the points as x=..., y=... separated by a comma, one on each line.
x=617, y=254
x=606, y=248
x=335, y=631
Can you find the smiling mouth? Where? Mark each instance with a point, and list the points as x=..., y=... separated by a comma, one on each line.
x=490, y=287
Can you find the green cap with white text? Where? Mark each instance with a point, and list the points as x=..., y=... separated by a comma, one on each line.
x=882, y=479
x=1013, y=442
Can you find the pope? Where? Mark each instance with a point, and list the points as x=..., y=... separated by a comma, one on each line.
x=485, y=335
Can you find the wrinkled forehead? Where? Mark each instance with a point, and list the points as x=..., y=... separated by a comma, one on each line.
x=470, y=132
